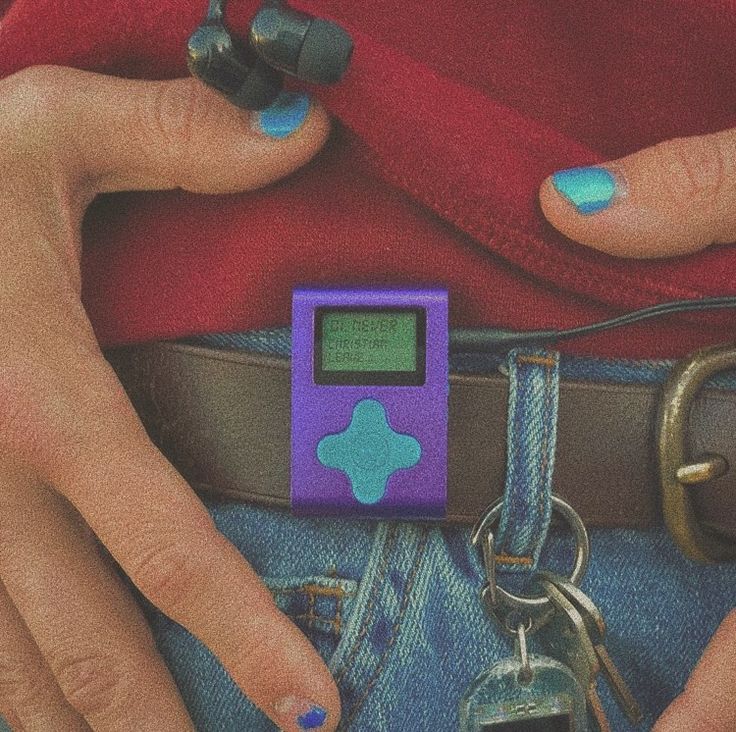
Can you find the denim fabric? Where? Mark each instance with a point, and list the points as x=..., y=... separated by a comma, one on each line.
x=406, y=634
x=414, y=635
x=394, y=608
x=531, y=437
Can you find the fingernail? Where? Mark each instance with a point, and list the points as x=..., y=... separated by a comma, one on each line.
x=588, y=189
x=284, y=116
x=306, y=714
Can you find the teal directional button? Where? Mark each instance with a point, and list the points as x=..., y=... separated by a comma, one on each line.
x=369, y=452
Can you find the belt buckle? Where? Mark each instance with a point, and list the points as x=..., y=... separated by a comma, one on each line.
x=677, y=472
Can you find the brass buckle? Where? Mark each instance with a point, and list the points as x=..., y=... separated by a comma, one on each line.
x=678, y=473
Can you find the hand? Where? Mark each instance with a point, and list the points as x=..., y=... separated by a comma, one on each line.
x=707, y=704
x=675, y=198
x=75, y=463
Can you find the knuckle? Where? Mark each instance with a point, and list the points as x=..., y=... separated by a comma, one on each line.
x=37, y=408
x=55, y=412
x=95, y=683
x=171, y=575
x=172, y=114
x=697, y=169
x=21, y=409
x=261, y=630
x=19, y=684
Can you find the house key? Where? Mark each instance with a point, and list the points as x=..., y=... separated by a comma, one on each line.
x=566, y=638
x=596, y=627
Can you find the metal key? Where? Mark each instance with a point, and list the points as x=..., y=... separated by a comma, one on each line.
x=566, y=638
x=596, y=627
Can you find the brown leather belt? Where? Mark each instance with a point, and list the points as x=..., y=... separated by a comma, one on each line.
x=222, y=418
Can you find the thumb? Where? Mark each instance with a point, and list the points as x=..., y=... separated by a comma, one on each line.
x=674, y=198
x=707, y=704
x=122, y=134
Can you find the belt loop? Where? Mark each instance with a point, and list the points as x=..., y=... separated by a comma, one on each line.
x=530, y=458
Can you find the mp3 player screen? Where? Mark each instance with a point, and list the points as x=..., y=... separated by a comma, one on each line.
x=370, y=346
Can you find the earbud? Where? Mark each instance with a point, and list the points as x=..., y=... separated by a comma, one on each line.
x=312, y=49
x=224, y=62
x=280, y=40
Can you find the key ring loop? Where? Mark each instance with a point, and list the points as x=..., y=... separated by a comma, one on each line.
x=493, y=594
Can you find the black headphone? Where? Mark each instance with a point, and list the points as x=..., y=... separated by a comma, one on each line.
x=281, y=40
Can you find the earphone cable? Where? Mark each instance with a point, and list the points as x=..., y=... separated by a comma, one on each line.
x=489, y=340
x=215, y=11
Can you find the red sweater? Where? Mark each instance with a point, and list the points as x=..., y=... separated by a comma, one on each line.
x=452, y=114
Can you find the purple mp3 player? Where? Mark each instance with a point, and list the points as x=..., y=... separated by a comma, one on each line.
x=369, y=402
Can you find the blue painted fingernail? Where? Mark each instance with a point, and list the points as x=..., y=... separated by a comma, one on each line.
x=307, y=714
x=312, y=719
x=284, y=116
x=588, y=189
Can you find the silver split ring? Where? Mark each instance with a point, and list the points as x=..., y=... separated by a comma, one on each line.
x=495, y=595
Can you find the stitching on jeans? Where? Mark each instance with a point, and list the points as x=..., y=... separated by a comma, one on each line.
x=337, y=622
x=549, y=364
x=388, y=547
x=545, y=462
x=536, y=360
x=394, y=631
x=511, y=559
x=314, y=589
x=511, y=521
x=312, y=621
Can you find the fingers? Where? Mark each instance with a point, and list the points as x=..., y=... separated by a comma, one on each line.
x=707, y=704
x=64, y=414
x=92, y=636
x=153, y=524
x=674, y=198
x=30, y=698
x=121, y=134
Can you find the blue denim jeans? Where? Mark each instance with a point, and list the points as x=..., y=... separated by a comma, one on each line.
x=394, y=609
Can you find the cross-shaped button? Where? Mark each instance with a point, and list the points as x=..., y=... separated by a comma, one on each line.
x=369, y=452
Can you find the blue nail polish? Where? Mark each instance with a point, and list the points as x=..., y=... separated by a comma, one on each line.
x=285, y=115
x=589, y=189
x=312, y=719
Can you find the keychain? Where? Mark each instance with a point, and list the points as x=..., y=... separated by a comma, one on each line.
x=535, y=693
x=524, y=693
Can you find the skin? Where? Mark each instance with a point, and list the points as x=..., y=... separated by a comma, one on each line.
x=674, y=198
x=77, y=471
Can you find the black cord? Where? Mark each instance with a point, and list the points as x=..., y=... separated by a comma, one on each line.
x=216, y=11
x=489, y=340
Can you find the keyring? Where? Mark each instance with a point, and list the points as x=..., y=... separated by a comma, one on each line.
x=493, y=594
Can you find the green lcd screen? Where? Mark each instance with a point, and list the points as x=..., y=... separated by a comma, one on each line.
x=370, y=346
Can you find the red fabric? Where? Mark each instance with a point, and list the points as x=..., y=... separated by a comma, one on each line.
x=452, y=114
